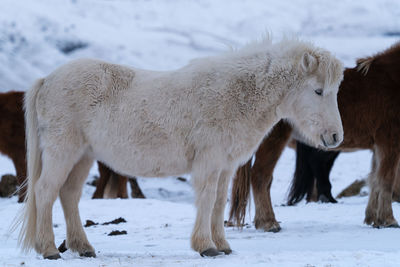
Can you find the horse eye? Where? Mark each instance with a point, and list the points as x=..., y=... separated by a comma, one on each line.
x=318, y=91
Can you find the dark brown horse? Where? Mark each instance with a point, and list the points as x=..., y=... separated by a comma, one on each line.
x=369, y=104
x=117, y=184
x=313, y=167
x=12, y=143
x=12, y=134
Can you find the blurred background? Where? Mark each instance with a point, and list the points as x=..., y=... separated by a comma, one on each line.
x=37, y=36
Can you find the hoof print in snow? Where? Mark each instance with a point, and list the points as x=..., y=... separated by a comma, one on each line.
x=63, y=247
x=116, y=221
x=90, y=223
x=117, y=232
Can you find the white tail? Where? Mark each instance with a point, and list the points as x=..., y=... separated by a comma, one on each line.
x=28, y=217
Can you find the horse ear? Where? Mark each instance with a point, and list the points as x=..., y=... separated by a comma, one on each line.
x=308, y=62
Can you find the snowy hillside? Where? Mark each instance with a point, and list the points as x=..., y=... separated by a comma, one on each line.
x=37, y=36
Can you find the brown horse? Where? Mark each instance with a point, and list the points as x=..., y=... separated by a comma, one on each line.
x=12, y=134
x=117, y=184
x=368, y=100
x=12, y=140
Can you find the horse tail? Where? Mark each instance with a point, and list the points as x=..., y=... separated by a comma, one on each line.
x=240, y=194
x=303, y=179
x=28, y=216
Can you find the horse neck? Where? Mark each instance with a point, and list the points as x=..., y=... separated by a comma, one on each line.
x=257, y=86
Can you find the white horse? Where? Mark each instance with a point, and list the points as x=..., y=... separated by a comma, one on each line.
x=205, y=119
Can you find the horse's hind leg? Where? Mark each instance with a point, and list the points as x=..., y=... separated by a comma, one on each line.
x=217, y=219
x=102, y=181
x=55, y=170
x=70, y=194
x=386, y=173
x=122, y=185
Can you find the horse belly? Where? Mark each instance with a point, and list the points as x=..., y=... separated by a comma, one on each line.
x=147, y=160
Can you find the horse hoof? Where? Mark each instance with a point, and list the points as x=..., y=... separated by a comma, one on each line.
x=226, y=251
x=326, y=199
x=393, y=225
x=88, y=254
x=273, y=229
x=52, y=257
x=211, y=252
x=271, y=226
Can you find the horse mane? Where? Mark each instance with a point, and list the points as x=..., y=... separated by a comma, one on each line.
x=327, y=64
x=363, y=64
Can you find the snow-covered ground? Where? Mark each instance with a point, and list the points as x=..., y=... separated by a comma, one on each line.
x=37, y=36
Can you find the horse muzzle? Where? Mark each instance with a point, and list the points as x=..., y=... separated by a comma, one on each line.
x=331, y=140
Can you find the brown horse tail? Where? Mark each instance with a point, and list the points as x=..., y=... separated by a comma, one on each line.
x=28, y=216
x=240, y=194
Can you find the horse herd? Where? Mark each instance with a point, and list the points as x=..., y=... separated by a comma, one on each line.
x=206, y=119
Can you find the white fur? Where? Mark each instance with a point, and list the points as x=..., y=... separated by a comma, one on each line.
x=205, y=119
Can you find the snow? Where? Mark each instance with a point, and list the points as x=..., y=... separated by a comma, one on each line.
x=35, y=38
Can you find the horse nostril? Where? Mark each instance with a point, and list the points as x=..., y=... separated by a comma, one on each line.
x=334, y=136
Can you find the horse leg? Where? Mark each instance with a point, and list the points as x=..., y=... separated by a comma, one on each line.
x=70, y=194
x=55, y=170
x=267, y=156
x=322, y=171
x=386, y=173
x=396, y=187
x=122, y=186
x=205, y=186
x=20, y=169
x=372, y=206
x=217, y=219
x=265, y=216
x=102, y=181
x=136, y=192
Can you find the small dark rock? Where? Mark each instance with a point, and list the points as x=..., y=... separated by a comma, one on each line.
x=67, y=46
x=116, y=221
x=63, y=247
x=182, y=179
x=90, y=223
x=117, y=232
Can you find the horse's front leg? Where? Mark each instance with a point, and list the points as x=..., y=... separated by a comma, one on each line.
x=267, y=157
x=265, y=216
x=205, y=185
x=217, y=219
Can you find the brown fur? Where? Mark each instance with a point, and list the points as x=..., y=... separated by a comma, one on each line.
x=368, y=100
x=12, y=134
x=117, y=185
